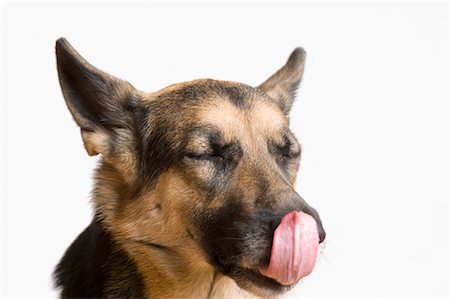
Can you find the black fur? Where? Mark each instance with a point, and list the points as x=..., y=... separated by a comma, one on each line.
x=239, y=96
x=230, y=233
x=93, y=94
x=94, y=266
x=160, y=148
x=234, y=237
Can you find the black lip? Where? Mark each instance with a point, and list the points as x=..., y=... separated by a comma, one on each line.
x=253, y=276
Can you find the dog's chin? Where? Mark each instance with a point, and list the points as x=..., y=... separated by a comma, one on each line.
x=253, y=281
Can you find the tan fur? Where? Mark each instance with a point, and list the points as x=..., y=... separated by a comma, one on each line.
x=153, y=223
x=251, y=127
x=224, y=288
x=187, y=275
x=153, y=212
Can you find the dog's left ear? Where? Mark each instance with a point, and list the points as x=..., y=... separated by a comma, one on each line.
x=282, y=86
x=103, y=106
x=99, y=102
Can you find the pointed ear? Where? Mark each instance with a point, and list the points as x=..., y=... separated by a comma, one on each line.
x=99, y=102
x=282, y=86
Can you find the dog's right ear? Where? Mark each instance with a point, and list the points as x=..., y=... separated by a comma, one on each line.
x=99, y=102
x=282, y=86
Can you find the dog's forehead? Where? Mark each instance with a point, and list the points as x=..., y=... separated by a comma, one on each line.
x=258, y=119
x=236, y=110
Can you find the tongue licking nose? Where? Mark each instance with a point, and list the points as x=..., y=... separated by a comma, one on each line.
x=294, y=250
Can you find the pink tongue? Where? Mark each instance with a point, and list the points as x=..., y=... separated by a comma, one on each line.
x=294, y=250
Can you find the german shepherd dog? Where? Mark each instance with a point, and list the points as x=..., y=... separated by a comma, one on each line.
x=194, y=192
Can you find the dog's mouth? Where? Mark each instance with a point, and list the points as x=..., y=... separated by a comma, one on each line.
x=293, y=254
x=249, y=278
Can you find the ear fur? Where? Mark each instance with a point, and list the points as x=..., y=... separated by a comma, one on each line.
x=99, y=102
x=282, y=86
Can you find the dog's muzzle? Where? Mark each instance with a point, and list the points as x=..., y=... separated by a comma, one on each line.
x=272, y=248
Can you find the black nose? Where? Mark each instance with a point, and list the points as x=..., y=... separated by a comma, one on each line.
x=315, y=215
x=322, y=233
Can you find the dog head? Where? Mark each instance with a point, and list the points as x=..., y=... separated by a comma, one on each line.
x=199, y=173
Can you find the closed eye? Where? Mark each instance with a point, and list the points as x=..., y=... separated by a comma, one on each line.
x=292, y=154
x=203, y=156
x=215, y=152
x=287, y=151
x=285, y=148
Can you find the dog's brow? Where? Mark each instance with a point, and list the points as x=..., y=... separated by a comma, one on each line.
x=203, y=137
x=286, y=137
x=210, y=133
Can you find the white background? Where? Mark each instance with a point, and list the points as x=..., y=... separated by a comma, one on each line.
x=372, y=116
